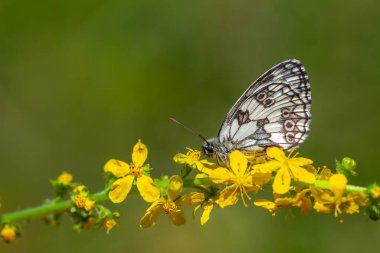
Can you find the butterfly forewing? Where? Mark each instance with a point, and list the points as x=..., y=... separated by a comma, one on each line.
x=273, y=111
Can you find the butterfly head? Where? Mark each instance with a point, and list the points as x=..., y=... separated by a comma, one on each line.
x=212, y=148
x=208, y=148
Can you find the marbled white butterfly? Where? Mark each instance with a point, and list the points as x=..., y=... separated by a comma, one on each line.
x=273, y=111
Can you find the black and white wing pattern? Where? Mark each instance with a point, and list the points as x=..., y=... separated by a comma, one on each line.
x=273, y=111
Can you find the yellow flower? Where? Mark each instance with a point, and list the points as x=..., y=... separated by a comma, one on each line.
x=335, y=200
x=109, y=224
x=126, y=175
x=169, y=204
x=207, y=208
x=239, y=180
x=191, y=158
x=8, y=233
x=83, y=202
x=287, y=168
x=199, y=199
x=375, y=192
x=79, y=188
x=300, y=200
x=65, y=178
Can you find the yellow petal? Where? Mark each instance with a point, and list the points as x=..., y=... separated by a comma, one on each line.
x=281, y=182
x=301, y=194
x=179, y=158
x=152, y=214
x=301, y=174
x=276, y=153
x=269, y=205
x=177, y=217
x=193, y=156
x=320, y=208
x=338, y=183
x=209, y=164
x=238, y=162
x=267, y=166
x=321, y=196
x=228, y=196
x=300, y=161
x=206, y=213
x=219, y=175
x=192, y=198
x=120, y=189
x=160, y=202
x=199, y=166
x=148, y=190
x=282, y=202
x=175, y=187
x=196, y=209
x=247, y=183
x=117, y=168
x=139, y=154
x=203, y=175
x=203, y=168
x=261, y=178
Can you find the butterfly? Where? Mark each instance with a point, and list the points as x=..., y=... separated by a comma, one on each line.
x=273, y=111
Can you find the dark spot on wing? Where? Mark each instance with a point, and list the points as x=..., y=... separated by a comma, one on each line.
x=242, y=117
x=262, y=122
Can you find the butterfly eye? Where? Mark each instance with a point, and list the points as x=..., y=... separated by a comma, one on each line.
x=261, y=96
x=208, y=149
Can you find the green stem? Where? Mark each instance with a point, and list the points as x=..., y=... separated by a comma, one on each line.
x=196, y=182
x=45, y=209
x=323, y=184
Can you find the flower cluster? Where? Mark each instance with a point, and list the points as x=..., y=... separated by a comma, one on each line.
x=294, y=181
x=84, y=210
x=204, y=185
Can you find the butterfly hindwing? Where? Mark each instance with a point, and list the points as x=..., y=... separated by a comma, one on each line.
x=273, y=111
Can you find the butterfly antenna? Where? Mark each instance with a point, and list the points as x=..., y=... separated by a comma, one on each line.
x=189, y=129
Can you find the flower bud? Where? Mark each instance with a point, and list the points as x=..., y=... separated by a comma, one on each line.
x=109, y=224
x=346, y=167
x=348, y=163
x=373, y=212
x=8, y=233
x=374, y=192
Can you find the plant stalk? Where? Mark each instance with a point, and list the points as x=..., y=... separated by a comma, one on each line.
x=48, y=208
x=62, y=206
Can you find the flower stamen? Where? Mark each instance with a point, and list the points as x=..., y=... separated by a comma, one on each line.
x=170, y=207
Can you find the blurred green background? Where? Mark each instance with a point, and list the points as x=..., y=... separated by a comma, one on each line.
x=81, y=81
